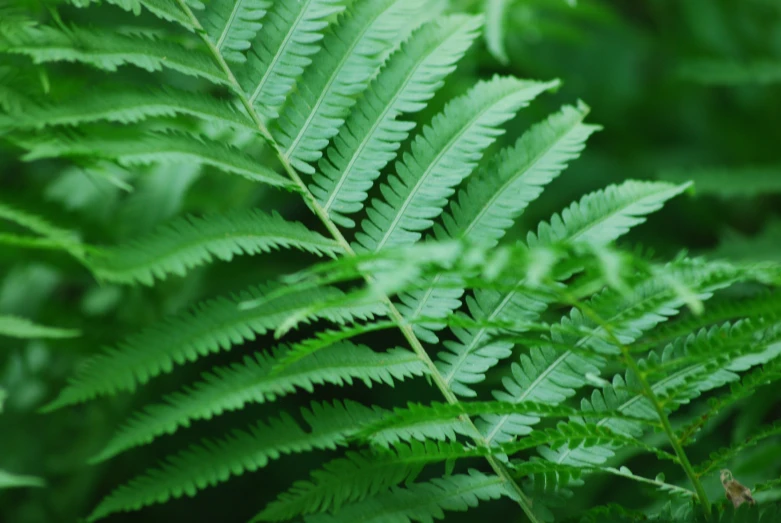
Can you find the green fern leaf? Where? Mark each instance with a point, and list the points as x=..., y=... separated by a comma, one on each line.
x=749, y=383
x=597, y=218
x=440, y=421
x=233, y=24
x=551, y=375
x=17, y=327
x=421, y=501
x=765, y=304
x=619, y=208
x=442, y=155
x=372, y=134
x=501, y=191
x=213, y=462
x=351, y=54
x=340, y=481
x=119, y=104
x=231, y=388
x=192, y=241
x=495, y=196
x=108, y=50
x=134, y=149
x=687, y=382
x=212, y=326
x=278, y=55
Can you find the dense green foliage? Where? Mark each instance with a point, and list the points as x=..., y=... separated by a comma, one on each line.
x=325, y=260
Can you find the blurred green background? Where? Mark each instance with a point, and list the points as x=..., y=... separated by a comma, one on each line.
x=684, y=89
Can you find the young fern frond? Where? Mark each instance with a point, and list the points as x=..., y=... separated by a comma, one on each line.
x=551, y=376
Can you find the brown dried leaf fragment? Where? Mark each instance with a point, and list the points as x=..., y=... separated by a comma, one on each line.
x=735, y=492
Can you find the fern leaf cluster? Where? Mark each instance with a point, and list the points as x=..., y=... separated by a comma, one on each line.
x=539, y=358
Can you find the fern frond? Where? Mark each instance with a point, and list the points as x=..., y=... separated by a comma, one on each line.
x=729, y=183
x=761, y=305
x=765, y=375
x=231, y=388
x=18, y=327
x=145, y=149
x=363, y=474
x=598, y=218
x=558, y=476
x=625, y=395
x=351, y=479
x=498, y=193
x=278, y=55
x=118, y=104
x=108, y=50
x=213, y=462
x=188, y=242
x=421, y=501
x=721, y=352
x=605, y=215
x=372, y=134
x=442, y=155
x=351, y=54
x=209, y=327
x=551, y=375
x=440, y=421
x=233, y=24
x=495, y=196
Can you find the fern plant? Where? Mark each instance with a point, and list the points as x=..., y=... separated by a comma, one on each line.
x=317, y=97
